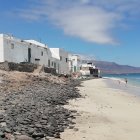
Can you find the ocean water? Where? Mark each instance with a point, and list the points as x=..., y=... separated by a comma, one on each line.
x=133, y=79
x=133, y=85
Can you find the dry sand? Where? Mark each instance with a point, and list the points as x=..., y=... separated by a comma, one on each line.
x=105, y=114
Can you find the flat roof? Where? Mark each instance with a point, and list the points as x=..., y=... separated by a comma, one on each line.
x=37, y=43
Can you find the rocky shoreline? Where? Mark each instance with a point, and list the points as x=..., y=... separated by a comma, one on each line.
x=36, y=111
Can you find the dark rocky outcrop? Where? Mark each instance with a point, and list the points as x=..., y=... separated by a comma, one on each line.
x=37, y=111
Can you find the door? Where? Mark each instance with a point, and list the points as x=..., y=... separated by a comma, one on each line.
x=29, y=55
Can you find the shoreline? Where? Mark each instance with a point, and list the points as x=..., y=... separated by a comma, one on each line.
x=118, y=83
x=105, y=113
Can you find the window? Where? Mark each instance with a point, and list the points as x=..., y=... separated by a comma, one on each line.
x=36, y=59
x=52, y=63
x=42, y=53
x=12, y=46
x=46, y=49
x=49, y=63
x=66, y=60
x=60, y=58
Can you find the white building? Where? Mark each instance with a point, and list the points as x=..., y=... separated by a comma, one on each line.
x=88, y=69
x=12, y=49
x=38, y=53
x=74, y=63
x=62, y=56
x=16, y=50
x=49, y=59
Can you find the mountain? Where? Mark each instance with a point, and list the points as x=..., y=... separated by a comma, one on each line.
x=114, y=68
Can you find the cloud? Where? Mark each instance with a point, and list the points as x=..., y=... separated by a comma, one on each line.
x=88, y=23
x=89, y=20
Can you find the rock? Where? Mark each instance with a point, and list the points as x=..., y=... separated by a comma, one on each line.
x=7, y=130
x=2, y=135
x=57, y=135
x=61, y=129
x=17, y=133
x=71, y=127
x=23, y=137
x=30, y=131
x=37, y=109
x=50, y=134
x=38, y=125
x=3, y=124
x=1, y=116
x=51, y=129
x=36, y=135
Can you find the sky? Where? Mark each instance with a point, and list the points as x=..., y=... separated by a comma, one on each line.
x=106, y=30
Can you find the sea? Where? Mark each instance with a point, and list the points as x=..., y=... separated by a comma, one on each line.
x=133, y=79
x=133, y=82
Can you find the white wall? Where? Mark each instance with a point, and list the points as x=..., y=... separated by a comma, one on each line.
x=74, y=63
x=40, y=53
x=58, y=53
x=1, y=49
x=54, y=59
x=64, y=67
x=15, y=50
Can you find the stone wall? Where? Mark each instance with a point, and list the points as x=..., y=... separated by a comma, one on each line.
x=23, y=67
x=4, y=66
x=50, y=70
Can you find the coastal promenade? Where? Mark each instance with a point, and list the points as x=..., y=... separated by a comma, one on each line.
x=105, y=113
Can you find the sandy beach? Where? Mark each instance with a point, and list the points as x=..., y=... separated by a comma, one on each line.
x=105, y=113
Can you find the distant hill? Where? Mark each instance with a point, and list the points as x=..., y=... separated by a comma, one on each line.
x=114, y=68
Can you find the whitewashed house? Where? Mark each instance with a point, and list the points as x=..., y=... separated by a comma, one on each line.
x=46, y=58
x=88, y=69
x=16, y=50
x=38, y=53
x=62, y=58
x=74, y=63
x=13, y=49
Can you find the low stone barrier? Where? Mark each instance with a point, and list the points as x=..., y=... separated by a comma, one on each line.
x=50, y=70
x=4, y=66
x=23, y=66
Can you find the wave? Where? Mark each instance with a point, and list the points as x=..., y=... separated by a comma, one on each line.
x=133, y=79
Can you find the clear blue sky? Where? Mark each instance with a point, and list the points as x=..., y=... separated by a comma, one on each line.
x=107, y=30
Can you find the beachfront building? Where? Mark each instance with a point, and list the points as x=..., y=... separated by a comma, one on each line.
x=38, y=53
x=16, y=50
x=61, y=57
x=74, y=63
x=13, y=49
x=31, y=51
x=88, y=69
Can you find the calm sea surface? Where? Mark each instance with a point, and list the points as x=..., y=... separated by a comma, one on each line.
x=133, y=79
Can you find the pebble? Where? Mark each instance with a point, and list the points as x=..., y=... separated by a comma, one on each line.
x=37, y=110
